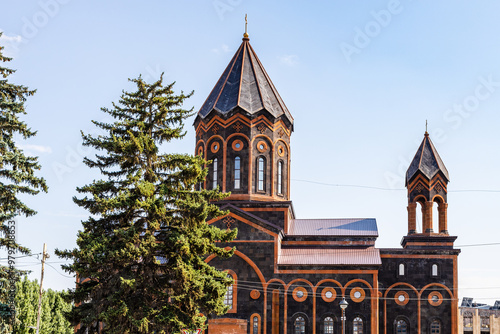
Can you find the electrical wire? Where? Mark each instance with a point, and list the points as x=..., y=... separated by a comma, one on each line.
x=388, y=189
x=58, y=271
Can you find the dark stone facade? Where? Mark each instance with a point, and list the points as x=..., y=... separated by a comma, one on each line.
x=291, y=274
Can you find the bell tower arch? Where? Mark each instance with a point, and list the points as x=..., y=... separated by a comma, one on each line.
x=427, y=184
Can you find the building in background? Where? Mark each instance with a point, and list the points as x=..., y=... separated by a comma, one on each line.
x=475, y=318
x=291, y=275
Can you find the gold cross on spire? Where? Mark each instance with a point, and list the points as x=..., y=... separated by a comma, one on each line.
x=246, y=23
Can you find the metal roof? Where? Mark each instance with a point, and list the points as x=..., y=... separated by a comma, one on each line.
x=427, y=161
x=334, y=227
x=317, y=256
x=245, y=84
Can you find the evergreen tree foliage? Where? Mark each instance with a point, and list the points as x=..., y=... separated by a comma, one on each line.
x=53, y=311
x=140, y=255
x=17, y=174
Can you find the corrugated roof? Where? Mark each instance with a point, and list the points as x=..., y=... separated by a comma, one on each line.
x=301, y=256
x=334, y=227
x=427, y=161
x=246, y=84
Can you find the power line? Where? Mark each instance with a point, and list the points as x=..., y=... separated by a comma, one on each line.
x=477, y=245
x=388, y=189
x=57, y=271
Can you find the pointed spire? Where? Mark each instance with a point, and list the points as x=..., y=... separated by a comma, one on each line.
x=426, y=161
x=245, y=84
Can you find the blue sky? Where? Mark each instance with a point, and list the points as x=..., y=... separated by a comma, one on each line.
x=360, y=80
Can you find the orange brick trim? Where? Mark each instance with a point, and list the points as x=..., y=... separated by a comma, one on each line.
x=252, y=317
x=237, y=145
x=401, y=298
x=255, y=294
x=328, y=294
x=435, y=298
x=357, y=295
x=215, y=147
x=299, y=294
x=262, y=146
x=234, y=305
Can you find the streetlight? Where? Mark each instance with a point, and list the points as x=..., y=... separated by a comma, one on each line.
x=343, y=305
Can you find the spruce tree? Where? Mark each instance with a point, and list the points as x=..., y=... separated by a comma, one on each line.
x=140, y=255
x=17, y=176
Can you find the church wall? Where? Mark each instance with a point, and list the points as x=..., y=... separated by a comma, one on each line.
x=416, y=284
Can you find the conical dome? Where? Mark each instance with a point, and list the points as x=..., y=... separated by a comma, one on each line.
x=427, y=161
x=245, y=84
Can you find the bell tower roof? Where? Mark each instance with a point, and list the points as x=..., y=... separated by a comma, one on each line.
x=426, y=161
x=245, y=84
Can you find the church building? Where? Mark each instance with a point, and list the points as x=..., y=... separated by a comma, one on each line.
x=293, y=274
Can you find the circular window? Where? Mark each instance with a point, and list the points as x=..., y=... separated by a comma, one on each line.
x=281, y=150
x=215, y=147
x=255, y=294
x=299, y=294
x=435, y=298
x=237, y=145
x=261, y=146
x=401, y=298
x=328, y=294
x=357, y=295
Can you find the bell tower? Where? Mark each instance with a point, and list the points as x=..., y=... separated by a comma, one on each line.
x=244, y=128
x=427, y=181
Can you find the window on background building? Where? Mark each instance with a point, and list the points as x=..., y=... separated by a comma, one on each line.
x=485, y=322
x=260, y=175
x=255, y=325
x=401, y=326
x=434, y=270
x=357, y=326
x=280, y=175
x=401, y=269
x=468, y=321
x=435, y=327
x=237, y=170
x=328, y=325
x=214, y=185
x=299, y=326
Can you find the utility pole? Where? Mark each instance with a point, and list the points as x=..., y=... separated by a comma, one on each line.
x=45, y=256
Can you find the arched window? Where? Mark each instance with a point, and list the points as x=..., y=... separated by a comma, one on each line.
x=357, y=326
x=328, y=325
x=434, y=269
x=280, y=177
x=214, y=183
x=401, y=326
x=261, y=164
x=228, y=298
x=231, y=293
x=401, y=269
x=299, y=326
x=237, y=170
x=255, y=323
x=436, y=327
